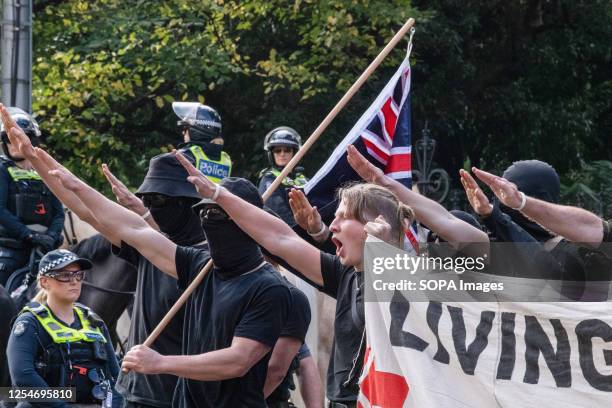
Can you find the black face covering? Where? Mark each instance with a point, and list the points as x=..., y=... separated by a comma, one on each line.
x=179, y=222
x=233, y=252
x=536, y=179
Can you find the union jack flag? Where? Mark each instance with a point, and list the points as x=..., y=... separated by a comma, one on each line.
x=382, y=135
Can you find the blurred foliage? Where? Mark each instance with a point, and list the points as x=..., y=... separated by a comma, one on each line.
x=505, y=81
x=590, y=187
x=497, y=81
x=107, y=71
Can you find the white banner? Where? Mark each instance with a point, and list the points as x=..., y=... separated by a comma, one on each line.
x=483, y=355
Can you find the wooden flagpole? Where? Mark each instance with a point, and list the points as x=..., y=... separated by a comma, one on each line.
x=288, y=168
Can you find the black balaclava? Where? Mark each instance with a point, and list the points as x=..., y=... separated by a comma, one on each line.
x=167, y=176
x=233, y=252
x=179, y=222
x=536, y=179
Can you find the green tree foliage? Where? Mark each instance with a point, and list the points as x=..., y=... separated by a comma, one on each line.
x=500, y=81
x=497, y=81
x=590, y=186
x=107, y=71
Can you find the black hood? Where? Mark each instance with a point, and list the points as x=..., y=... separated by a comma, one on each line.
x=536, y=179
x=233, y=252
x=167, y=176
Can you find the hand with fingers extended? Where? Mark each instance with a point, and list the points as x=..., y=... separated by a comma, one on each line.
x=478, y=200
x=16, y=135
x=364, y=168
x=306, y=216
x=380, y=229
x=123, y=195
x=142, y=359
x=506, y=191
x=204, y=187
x=68, y=180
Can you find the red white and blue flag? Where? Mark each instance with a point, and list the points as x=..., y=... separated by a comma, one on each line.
x=382, y=135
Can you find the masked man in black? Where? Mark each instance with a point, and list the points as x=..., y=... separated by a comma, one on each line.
x=234, y=316
x=168, y=197
x=566, y=261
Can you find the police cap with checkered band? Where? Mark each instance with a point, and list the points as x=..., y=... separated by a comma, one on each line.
x=58, y=259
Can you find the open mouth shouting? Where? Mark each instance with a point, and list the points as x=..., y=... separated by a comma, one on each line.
x=338, y=245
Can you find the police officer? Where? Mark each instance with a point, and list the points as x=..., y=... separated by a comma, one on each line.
x=29, y=213
x=203, y=142
x=281, y=144
x=56, y=342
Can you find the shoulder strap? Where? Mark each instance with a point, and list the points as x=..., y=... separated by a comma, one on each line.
x=94, y=319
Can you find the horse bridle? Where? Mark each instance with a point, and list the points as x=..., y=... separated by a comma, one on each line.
x=71, y=239
x=111, y=291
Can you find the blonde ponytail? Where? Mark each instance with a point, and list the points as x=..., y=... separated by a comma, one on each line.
x=41, y=295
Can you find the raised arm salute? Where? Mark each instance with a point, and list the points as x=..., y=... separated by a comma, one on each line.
x=111, y=219
x=572, y=223
x=233, y=318
x=339, y=276
x=427, y=211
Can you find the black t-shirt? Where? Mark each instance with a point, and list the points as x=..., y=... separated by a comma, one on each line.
x=254, y=305
x=155, y=294
x=299, y=318
x=344, y=284
x=296, y=327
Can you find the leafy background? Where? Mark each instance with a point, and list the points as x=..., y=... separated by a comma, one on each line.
x=495, y=81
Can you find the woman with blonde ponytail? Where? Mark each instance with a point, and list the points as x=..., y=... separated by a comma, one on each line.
x=56, y=342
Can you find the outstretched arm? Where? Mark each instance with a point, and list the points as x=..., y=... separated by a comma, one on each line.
x=42, y=163
x=110, y=219
x=307, y=216
x=120, y=224
x=277, y=237
x=573, y=223
x=427, y=211
x=126, y=198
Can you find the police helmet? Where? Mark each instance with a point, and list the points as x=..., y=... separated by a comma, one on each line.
x=203, y=122
x=25, y=122
x=281, y=136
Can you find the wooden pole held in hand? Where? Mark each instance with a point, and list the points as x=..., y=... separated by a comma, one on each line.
x=289, y=167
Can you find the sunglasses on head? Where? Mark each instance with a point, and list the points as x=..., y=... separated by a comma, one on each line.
x=66, y=276
x=282, y=150
x=213, y=213
x=160, y=200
